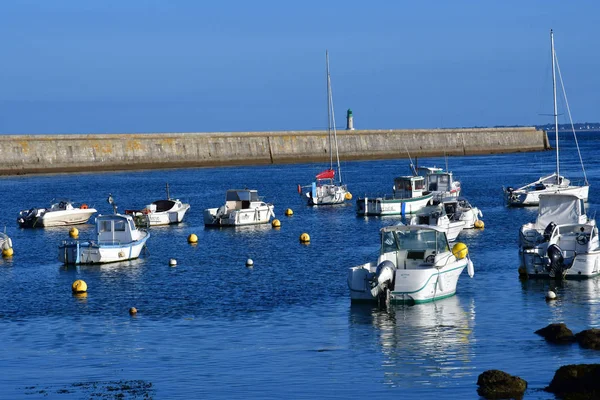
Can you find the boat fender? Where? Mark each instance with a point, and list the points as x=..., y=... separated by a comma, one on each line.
x=548, y=231
x=470, y=268
x=299, y=189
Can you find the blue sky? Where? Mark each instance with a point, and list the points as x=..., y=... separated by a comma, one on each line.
x=189, y=66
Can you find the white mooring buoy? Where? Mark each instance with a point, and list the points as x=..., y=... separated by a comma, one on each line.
x=249, y=263
x=172, y=262
x=550, y=295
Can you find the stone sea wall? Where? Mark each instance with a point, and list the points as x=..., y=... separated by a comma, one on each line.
x=24, y=154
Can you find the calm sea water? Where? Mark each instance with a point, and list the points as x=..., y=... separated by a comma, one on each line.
x=212, y=328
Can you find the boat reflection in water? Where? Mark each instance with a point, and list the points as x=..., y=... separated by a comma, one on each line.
x=571, y=296
x=424, y=345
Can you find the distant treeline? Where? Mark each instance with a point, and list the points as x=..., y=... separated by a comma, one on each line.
x=580, y=126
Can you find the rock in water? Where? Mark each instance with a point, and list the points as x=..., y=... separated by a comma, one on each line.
x=557, y=333
x=589, y=339
x=495, y=384
x=577, y=381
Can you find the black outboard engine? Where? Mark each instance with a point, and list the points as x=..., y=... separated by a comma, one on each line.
x=384, y=279
x=510, y=189
x=556, y=262
x=548, y=231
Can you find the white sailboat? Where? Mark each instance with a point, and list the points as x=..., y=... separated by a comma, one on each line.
x=325, y=190
x=529, y=195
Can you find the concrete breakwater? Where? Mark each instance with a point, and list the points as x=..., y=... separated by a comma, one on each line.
x=24, y=154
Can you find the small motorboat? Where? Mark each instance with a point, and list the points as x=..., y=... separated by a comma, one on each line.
x=436, y=216
x=408, y=198
x=562, y=243
x=415, y=265
x=459, y=209
x=116, y=239
x=61, y=213
x=160, y=212
x=242, y=207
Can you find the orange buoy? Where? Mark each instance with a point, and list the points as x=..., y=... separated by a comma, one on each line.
x=84, y=206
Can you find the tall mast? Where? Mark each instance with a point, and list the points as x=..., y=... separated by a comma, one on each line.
x=329, y=111
x=555, y=107
x=333, y=129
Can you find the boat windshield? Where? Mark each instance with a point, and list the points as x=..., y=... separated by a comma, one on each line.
x=425, y=239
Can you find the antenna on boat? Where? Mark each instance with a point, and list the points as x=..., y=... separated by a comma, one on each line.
x=168, y=195
x=412, y=166
x=111, y=201
x=446, y=159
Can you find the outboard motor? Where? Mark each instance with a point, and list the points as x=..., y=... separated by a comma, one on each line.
x=384, y=277
x=548, y=231
x=510, y=189
x=556, y=262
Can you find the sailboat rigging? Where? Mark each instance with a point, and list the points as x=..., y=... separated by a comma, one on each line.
x=325, y=190
x=529, y=195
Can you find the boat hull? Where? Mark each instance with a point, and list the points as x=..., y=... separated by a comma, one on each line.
x=522, y=198
x=77, y=252
x=325, y=195
x=411, y=286
x=390, y=206
x=584, y=265
x=251, y=216
x=167, y=217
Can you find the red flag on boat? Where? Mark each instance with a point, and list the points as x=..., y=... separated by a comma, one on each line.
x=327, y=174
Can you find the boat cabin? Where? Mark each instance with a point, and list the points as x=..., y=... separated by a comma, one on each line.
x=436, y=179
x=241, y=199
x=407, y=187
x=161, y=206
x=116, y=229
x=412, y=246
x=430, y=215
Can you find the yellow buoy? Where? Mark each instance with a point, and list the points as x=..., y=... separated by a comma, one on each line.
x=193, y=238
x=132, y=311
x=276, y=223
x=348, y=196
x=460, y=250
x=304, y=238
x=479, y=224
x=74, y=232
x=289, y=212
x=79, y=286
x=7, y=252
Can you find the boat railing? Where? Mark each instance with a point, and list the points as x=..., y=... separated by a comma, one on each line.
x=106, y=242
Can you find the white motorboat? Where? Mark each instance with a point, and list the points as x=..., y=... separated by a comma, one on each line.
x=436, y=216
x=408, y=198
x=325, y=190
x=554, y=209
x=459, y=209
x=415, y=265
x=562, y=243
x=439, y=182
x=529, y=195
x=116, y=239
x=160, y=212
x=61, y=213
x=242, y=207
